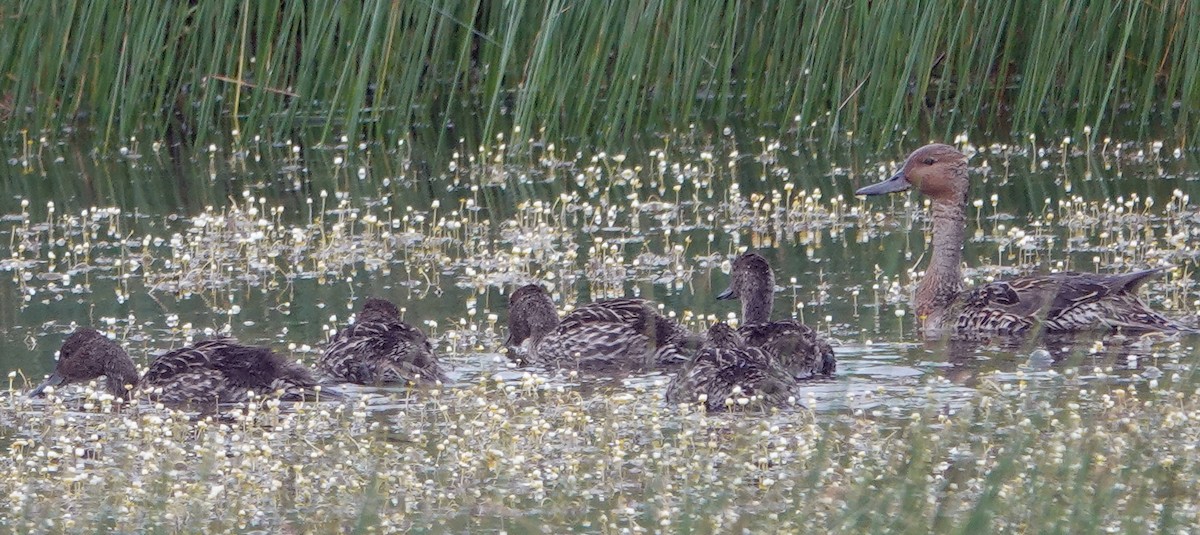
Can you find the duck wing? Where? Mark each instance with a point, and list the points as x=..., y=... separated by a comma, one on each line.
x=635, y=313
x=190, y=375
x=220, y=370
x=596, y=344
x=1062, y=302
x=373, y=352
x=608, y=322
x=1107, y=301
x=716, y=372
x=795, y=346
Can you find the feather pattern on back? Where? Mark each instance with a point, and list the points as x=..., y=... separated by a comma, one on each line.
x=1060, y=302
x=220, y=370
x=795, y=346
x=726, y=369
x=610, y=332
x=380, y=348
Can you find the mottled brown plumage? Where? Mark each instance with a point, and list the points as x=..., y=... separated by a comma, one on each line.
x=205, y=373
x=220, y=370
x=1060, y=302
x=380, y=348
x=795, y=346
x=611, y=332
x=726, y=370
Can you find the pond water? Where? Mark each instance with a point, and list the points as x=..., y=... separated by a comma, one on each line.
x=276, y=244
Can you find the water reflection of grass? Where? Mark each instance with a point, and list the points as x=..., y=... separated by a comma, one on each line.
x=525, y=455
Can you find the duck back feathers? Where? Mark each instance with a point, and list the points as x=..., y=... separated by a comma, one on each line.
x=610, y=332
x=1061, y=302
x=795, y=346
x=380, y=348
x=726, y=369
x=220, y=370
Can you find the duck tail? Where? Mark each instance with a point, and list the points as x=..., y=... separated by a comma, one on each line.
x=317, y=392
x=1176, y=326
x=1131, y=281
x=1149, y=320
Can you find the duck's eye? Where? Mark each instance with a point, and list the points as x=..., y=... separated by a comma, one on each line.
x=928, y=161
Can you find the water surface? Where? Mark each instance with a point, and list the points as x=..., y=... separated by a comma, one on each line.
x=277, y=243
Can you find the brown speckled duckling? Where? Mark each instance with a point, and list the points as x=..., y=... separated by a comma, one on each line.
x=612, y=332
x=795, y=346
x=208, y=372
x=726, y=370
x=380, y=348
x=1059, y=302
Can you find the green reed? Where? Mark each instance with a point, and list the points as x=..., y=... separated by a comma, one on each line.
x=597, y=70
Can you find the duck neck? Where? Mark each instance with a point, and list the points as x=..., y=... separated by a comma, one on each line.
x=120, y=372
x=942, y=282
x=757, y=303
x=542, y=322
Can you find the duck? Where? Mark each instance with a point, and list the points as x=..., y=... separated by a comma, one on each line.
x=794, y=345
x=610, y=332
x=380, y=348
x=726, y=369
x=1054, y=303
x=208, y=372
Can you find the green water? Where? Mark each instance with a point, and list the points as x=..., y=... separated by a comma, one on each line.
x=659, y=221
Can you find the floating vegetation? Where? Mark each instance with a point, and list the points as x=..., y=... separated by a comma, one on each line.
x=590, y=224
x=514, y=456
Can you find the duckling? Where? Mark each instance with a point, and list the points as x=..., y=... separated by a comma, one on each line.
x=1055, y=303
x=795, y=346
x=610, y=332
x=380, y=348
x=726, y=369
x=213, y=371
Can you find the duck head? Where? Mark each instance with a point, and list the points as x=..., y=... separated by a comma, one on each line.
x=87, y=354
x=376, y=309
x=753, y=282
x=720, y=334
x=531, y=314
x=937, y=171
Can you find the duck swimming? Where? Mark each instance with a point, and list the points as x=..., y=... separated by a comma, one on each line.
x=1059, y=302
x=610, y=332
x=213, y=371
x=726, y=369
x=380, y=348
x=795, y=346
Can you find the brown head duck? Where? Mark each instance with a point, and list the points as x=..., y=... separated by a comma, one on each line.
x=87, y=354
x=795, y=346
x=208, y=372
x=1059, y=302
